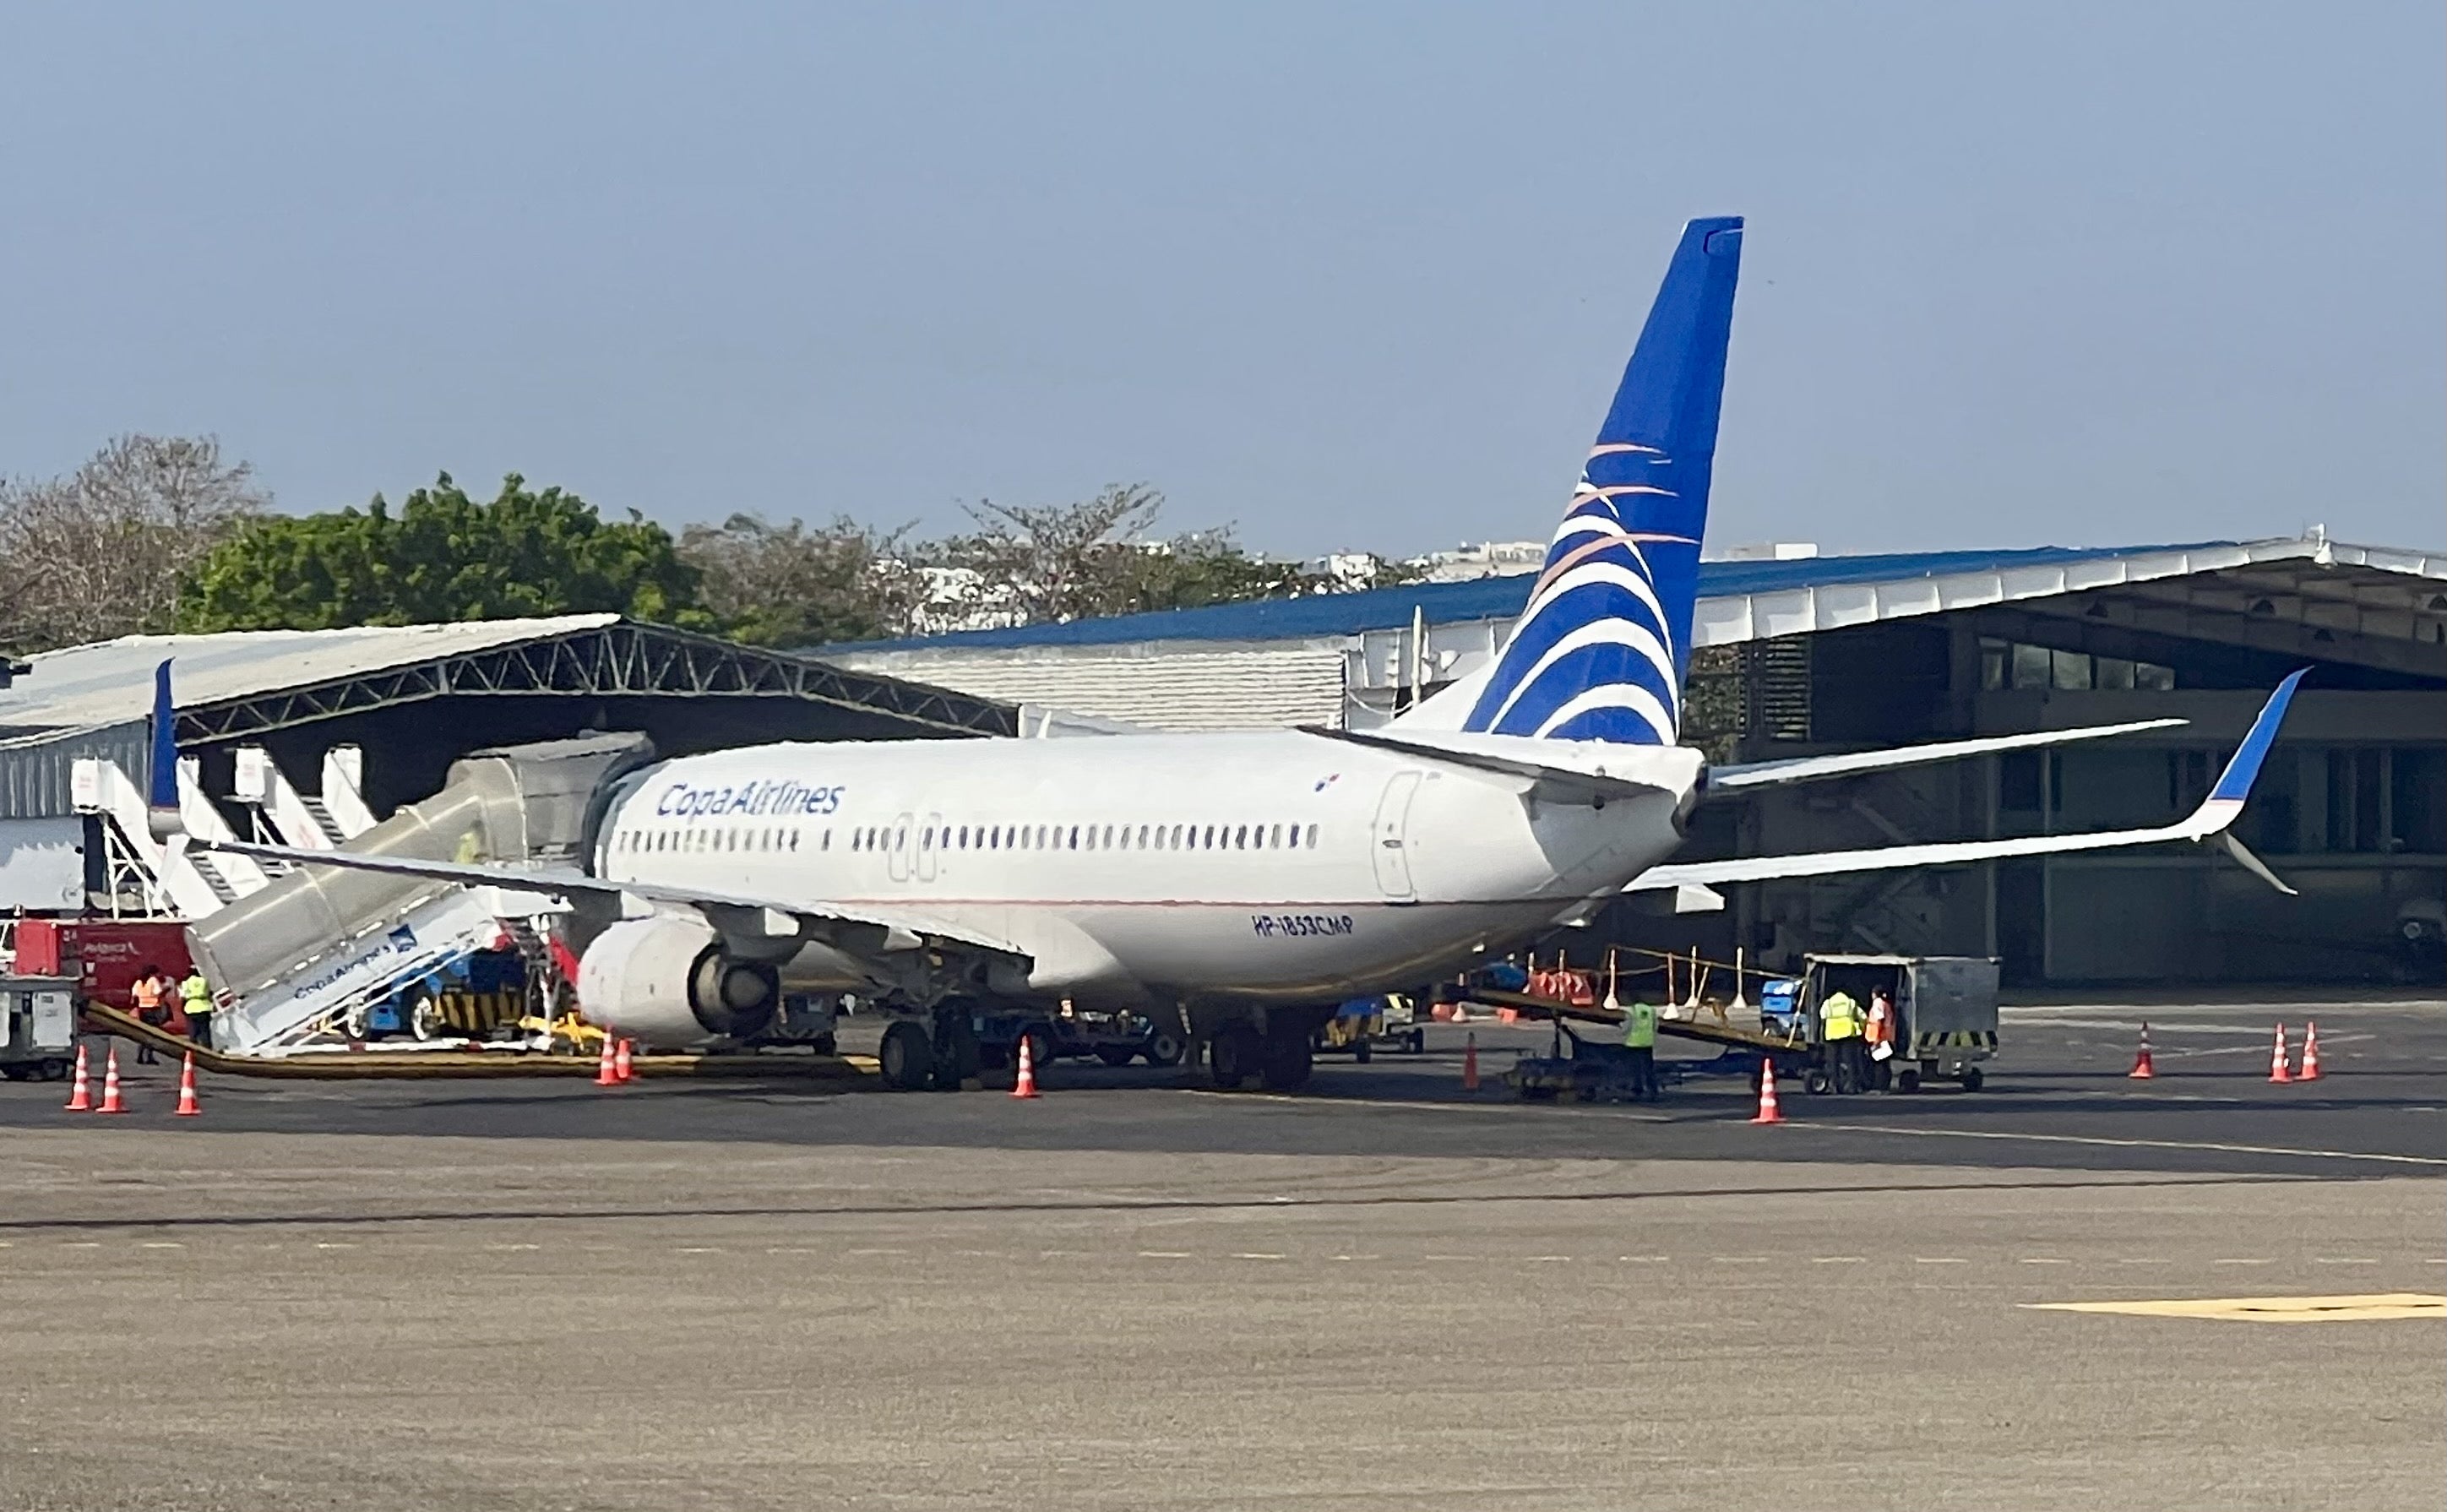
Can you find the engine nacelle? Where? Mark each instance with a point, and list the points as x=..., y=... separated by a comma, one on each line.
x=667, y=982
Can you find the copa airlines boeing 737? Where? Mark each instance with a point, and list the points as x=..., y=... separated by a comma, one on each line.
x=1250, y=880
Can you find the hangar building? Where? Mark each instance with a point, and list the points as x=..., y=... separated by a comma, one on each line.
x=307, y=737
x=1808, y=654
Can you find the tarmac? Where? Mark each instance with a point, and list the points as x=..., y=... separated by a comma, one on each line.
x=1378, y=1294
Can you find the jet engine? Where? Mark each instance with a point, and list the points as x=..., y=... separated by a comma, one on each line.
x=668, y=982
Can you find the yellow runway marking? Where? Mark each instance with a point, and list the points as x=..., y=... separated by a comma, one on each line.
x=2358, y=1308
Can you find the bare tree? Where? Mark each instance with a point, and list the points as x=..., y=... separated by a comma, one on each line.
x=103, y=552
x=1036, y=563
x=800, y=585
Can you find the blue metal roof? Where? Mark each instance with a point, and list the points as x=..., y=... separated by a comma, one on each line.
x=1328, y=615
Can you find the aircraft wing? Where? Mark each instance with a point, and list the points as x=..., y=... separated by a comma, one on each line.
x=2207, y=822
x=1813, y=768
x=731, y=912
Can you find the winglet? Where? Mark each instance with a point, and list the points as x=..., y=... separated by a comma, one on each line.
x=161, y=784
x=2226, y=799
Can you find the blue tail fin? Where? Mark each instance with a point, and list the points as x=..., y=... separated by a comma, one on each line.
x=1600, y=650
x=161, y=784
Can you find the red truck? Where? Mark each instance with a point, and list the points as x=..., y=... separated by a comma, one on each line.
x=105, y=956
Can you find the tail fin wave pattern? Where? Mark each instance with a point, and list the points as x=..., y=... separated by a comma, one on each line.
x=1601, y=651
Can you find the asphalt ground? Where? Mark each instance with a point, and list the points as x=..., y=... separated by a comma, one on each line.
x=1129, y=1293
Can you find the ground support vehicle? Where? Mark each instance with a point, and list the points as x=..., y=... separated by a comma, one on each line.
x=1582, y=1067
x=1946, y=1016
x=1115, y=1039
x=480, y=995
x=1365, y=1025
x=38, y=1026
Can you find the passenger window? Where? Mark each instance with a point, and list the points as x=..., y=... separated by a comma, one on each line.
x=1208, y=843
x=1092, y=837
x=901, y=838
x=1278, y=840
x=827, y=843
x=1109, y=837
x=1312, y=837
x=1241, y=838
x=1075, y=838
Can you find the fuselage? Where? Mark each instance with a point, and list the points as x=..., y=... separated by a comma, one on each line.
x=1261, y=866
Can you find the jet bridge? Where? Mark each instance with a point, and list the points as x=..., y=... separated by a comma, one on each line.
x=301, y=951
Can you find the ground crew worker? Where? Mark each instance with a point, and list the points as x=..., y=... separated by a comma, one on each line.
x=1839, y=1021
x=1880, y=1034
x=1639, y=1038
x=150, y=998
x=195, y=1001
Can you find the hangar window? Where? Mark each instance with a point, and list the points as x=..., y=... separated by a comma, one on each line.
x=2010, y=663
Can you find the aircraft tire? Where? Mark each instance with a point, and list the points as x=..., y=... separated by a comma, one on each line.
x=908, y=1057
x=1288, y=1062
x=1232, y=1055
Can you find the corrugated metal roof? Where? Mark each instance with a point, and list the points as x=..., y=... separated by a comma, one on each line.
x=1256, y=688
x=1749, y=594
x=111, y=682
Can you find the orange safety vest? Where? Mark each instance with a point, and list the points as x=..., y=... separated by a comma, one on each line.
x=1882, y=1022
x=146, y=992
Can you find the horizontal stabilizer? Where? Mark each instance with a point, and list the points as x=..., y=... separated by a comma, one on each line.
x=2209, y=819
x=1580, y=772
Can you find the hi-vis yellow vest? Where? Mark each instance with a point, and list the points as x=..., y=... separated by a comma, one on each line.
x=1640, y=1027
x=1842, y=1016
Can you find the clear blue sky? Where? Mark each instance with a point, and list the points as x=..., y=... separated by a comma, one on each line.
x=1353, y=276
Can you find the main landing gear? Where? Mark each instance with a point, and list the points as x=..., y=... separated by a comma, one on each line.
x=939, y=1054
x=1278, y=1055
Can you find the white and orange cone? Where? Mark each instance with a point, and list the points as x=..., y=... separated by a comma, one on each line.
x=1768, y=1111
x=607, y=1070
x=1026, y=1086
x=2310, y=1072
x=81, y=1091
x=188, y=1106
x=624, y=1065
x=2143, y=1066
x=110, y=1099
x=2277, y=1071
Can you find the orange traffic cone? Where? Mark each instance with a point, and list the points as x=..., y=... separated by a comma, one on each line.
x=110, y=1101
x=624, y=1066
x=2277, y=1071
x=607, y=1070
x=187, y=1105
x=1768, y=1112
x=1470, y=1064
x=2311, y=1054
x=81, y=1091
x=2143, y=1068
x=1026, y=1086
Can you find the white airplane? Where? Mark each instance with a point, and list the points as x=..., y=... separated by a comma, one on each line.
x=1249, y=880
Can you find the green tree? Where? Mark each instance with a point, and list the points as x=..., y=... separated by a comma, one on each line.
x=441, y=557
